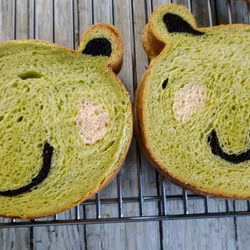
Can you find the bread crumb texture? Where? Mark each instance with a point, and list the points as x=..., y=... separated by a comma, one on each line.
x=208, y=88
x=74, y=102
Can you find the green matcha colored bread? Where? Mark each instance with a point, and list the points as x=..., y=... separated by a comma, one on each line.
x=192, y=106
x=66, y=122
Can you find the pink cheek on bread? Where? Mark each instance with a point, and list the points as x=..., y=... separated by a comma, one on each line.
x=188, y=100
x=92, y=121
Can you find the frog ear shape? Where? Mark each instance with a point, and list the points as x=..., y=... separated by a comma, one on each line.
x=164, y=24
x=103, y=40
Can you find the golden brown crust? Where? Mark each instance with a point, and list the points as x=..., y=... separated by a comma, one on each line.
x=154, y=45
x=152, y=42
x=139, y=108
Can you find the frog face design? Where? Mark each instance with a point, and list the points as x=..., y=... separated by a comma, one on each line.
x=65, y=122
x=194, y=117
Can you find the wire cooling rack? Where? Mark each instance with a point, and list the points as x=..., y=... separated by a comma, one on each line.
x=166, y=201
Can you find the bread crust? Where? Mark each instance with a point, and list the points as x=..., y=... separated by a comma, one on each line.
x=155, y=46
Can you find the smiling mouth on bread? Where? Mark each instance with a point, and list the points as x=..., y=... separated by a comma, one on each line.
x=217, y=150
x=47, y=157
x=92, y=122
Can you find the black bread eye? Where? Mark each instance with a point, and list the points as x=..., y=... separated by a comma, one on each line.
x=164, y=84
x=176, y=24
x=98, y=47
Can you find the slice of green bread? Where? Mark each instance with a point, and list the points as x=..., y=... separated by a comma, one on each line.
x=191, y=109
x=66, y=122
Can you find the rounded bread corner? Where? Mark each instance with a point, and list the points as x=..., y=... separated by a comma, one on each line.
x=151, y=43
x=155, y=35
x=113, y=35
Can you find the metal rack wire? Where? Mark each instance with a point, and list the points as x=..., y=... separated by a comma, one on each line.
x=185, y=201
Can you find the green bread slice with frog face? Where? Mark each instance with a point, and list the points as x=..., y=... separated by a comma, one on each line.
x=192, y=116
x=66, y=122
